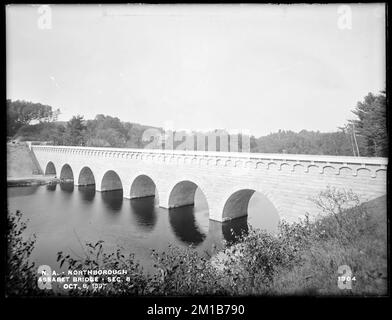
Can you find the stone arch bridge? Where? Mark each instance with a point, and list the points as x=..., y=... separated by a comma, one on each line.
x=228, y=180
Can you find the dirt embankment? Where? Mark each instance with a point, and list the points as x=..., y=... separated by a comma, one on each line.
x=22, y=167
x=20, y=162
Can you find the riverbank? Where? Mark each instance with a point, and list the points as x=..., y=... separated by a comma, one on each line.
x=32, y=180
x=306, y=258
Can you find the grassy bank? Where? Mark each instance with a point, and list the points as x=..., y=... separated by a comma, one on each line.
x=302, y=259
x=357, y=238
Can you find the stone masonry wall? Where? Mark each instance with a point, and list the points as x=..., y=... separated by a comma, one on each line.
x=288, y=181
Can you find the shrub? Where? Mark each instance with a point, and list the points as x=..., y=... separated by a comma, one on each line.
x=21, y=278
x=186, y=272
x=348, y=233
x=95, y=258
x=178, y=272
x=345, y=218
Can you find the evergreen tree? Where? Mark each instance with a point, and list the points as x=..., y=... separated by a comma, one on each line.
x=75, y=131
x=371, y=125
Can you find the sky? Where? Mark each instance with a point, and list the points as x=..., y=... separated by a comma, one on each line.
x=252, y=68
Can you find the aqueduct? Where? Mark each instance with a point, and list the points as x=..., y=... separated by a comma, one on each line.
x=228, y=180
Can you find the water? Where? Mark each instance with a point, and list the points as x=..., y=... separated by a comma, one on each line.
x=65, y=216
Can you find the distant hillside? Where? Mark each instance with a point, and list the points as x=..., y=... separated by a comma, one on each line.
x=60, y=123
x=106, y=131
x=305, y=142
x=364, y=136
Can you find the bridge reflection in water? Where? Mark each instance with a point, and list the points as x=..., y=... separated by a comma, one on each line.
x=87, y=193
x=113, y=200
x=68, y=187
x=144, y=212
x=188, y=224
x=233, y=229
x=51, y=186
x=184, y=225
x=137, y=225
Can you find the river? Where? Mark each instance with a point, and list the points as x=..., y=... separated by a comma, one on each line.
x=64, y=216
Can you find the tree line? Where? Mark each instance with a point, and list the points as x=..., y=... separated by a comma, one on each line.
x=365, y=135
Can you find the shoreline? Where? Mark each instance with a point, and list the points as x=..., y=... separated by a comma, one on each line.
x=31, y=181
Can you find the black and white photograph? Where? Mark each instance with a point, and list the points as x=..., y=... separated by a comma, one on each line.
x=177, y=150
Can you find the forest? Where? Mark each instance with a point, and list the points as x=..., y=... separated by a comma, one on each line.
x=364, y=135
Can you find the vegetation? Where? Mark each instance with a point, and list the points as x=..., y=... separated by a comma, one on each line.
x=347, y=234
x=304, y=142
x=371, y=125
x=365, y=136
x=303, y=258
x=22, y=113
x=21, y=273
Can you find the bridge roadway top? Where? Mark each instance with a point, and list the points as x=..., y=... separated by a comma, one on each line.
x=233, y=155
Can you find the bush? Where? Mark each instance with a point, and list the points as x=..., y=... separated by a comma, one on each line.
x=21, y=278
x=178, y=272
x=348, y=233
x=305, y=256
x=95, y=258
x=345, y=219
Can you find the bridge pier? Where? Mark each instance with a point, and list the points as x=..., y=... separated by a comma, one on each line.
x=216, y=214
x=164, y=198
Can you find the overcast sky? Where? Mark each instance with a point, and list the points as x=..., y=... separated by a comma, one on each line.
x=258, y=68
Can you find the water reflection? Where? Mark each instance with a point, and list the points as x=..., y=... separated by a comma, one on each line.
x=21, y=191
x=87, y=193
x=184, y=226
x=232, y=229
x=228, y=231
x=144, y=212
x=51, y=187
x=137, y=225
x=67, y=187
x=113, y=200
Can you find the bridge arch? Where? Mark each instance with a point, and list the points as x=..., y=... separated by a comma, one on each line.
x=66, y=173
x=86, y=177
x=183, y=194
x=237, y=203
x=142, y=186
x=50, y=168
x=111, y=181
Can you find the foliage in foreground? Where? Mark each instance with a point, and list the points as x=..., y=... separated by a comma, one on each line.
x=348, y=234
x=21, y=273
x=303, y=258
